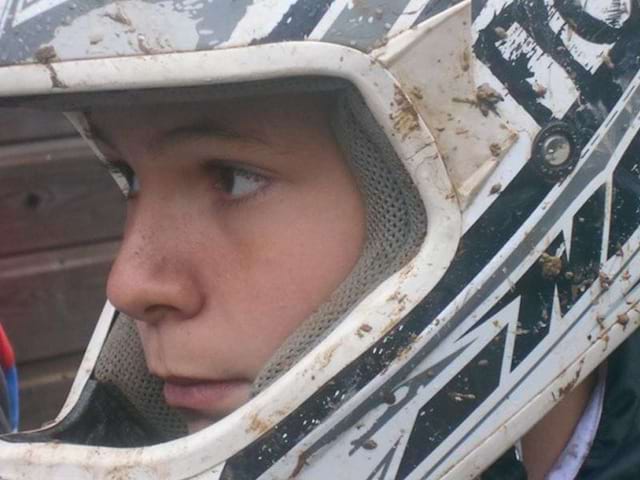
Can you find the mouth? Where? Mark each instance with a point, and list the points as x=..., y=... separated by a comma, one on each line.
x=209, y=398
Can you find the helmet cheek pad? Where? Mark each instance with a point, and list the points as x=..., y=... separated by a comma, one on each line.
x=498, y=154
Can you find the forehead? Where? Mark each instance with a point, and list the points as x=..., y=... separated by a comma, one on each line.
x=266, y=119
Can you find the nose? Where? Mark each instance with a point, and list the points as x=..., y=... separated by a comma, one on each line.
x=153, y=277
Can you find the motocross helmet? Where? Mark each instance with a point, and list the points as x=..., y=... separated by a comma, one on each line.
x=496, y=144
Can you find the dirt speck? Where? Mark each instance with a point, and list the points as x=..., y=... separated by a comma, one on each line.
x=55, y=80
x=388, y=397
x=46, y=54
x=403, y=352
x=562, y=391
x=370, y=444
x=405, y=118
x=501, y=33
x=465, y=61
x=397, y=297
x=605, y=281
x=485, y=100
x=142, y=45
x=495, y=189
x=302, y=461
x=364, y=328
x=95, y=38
x=623, y=319
x=328, y=355
x=416, y=93
x=607, y=62
x=551, y=265
x=495, y=149
x=539, y=90
x=258, y=425
x=118, y=17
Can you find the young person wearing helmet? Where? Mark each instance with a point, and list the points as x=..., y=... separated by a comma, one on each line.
x=270, y=223
x=400, y=240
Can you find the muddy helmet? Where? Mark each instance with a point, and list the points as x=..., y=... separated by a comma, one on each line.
x=496, y=144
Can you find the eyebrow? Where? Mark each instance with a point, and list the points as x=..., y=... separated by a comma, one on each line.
x=199, y=132
x=196, y=131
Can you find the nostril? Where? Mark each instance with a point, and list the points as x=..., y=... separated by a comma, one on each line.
x=154, y=313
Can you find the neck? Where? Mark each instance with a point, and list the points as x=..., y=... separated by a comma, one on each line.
x=544, y=443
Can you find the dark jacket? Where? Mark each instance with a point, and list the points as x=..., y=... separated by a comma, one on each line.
x=615, y=453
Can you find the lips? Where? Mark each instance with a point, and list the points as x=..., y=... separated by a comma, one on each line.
x=214, y=398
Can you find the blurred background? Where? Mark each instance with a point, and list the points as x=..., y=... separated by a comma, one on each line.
x=61, y=218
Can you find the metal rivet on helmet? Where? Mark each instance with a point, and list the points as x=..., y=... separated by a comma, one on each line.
x=555, y=151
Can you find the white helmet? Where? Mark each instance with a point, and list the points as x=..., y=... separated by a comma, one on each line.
x=496, y=143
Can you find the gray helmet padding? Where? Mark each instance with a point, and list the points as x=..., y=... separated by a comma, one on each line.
x=121, y=363
x=396, y=227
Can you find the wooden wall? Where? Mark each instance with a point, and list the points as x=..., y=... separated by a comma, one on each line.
x=61, y=216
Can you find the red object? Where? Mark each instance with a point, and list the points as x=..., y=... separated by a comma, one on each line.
x=7, y=356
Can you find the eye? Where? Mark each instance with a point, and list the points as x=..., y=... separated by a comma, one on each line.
x=237, y=182
x=125, y=177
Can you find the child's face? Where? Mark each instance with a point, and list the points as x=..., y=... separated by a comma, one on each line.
x=245, y=220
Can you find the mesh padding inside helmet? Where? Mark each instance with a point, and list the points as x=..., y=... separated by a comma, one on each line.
x=396, y=227
x=121, y=363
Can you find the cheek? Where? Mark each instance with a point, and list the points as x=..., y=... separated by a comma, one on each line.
x=293, y=253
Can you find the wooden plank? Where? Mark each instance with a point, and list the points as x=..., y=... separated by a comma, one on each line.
x=55, y=194
x=44, y=151
x=50, y=301
x=19, y=125
x=60, y=214
x=44, y=386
